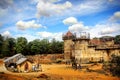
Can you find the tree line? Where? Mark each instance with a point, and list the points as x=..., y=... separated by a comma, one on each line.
x=12, y=46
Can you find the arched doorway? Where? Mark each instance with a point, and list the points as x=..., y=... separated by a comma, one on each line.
x=26, y=66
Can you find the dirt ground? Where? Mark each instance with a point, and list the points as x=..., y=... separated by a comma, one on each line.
x=59, y=72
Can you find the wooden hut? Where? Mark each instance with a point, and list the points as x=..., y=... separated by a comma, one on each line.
x=24, y=65
x=18, y=63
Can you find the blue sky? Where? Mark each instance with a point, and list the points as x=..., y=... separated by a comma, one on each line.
x=39, y=19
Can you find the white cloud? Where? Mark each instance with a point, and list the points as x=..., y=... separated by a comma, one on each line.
x=35, y=1
x=70, y=21
x=40, y=35
x=45, y=34
x=29, y=37
x=78, y=27
x=98, y=30
x=115, y=17
x=105, y=29
x=6, y=34
x=49, y=35
x=30, y=24
x=47, y=8
x=75, y=26
x=110, y=29
x=86, y=7
x=83, y=8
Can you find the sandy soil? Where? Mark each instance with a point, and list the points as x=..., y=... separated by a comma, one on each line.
x=68, y=73
x=58, y=72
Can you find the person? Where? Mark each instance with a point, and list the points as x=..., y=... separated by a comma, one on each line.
x=74, y=65
x=40, y=68
x=33, y=67
x=79, y=66
x=37, y=66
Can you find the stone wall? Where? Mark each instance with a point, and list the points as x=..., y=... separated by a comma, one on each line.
x=84, y=54
x=68, y=49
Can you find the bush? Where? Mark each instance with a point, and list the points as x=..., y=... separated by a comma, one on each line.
x=58, y=61
x=113, y=66
x=106, y=66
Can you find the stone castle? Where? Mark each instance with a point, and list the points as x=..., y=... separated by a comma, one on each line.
x=84, y=49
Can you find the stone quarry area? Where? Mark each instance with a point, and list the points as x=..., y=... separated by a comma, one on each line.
x=59, y=72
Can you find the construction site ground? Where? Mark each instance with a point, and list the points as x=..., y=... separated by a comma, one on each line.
x=59, y=72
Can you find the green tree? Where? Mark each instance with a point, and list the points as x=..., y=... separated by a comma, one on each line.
x=56, y=46
x=53, y=46
x=44, y=46
x=117, y=39
x=29, y=52
x=11, y=46
x=21, y=45
x=50, y=51
x=35, y=46
x=60, y=47
x=5, y=48
x=1, y=43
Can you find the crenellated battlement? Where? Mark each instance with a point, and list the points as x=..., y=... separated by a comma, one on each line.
x=76, y=36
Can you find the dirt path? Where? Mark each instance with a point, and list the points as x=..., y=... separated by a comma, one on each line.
x=68, y=73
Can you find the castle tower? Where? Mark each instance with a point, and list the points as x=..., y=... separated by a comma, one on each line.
x=68, y=37
x=80, y=51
